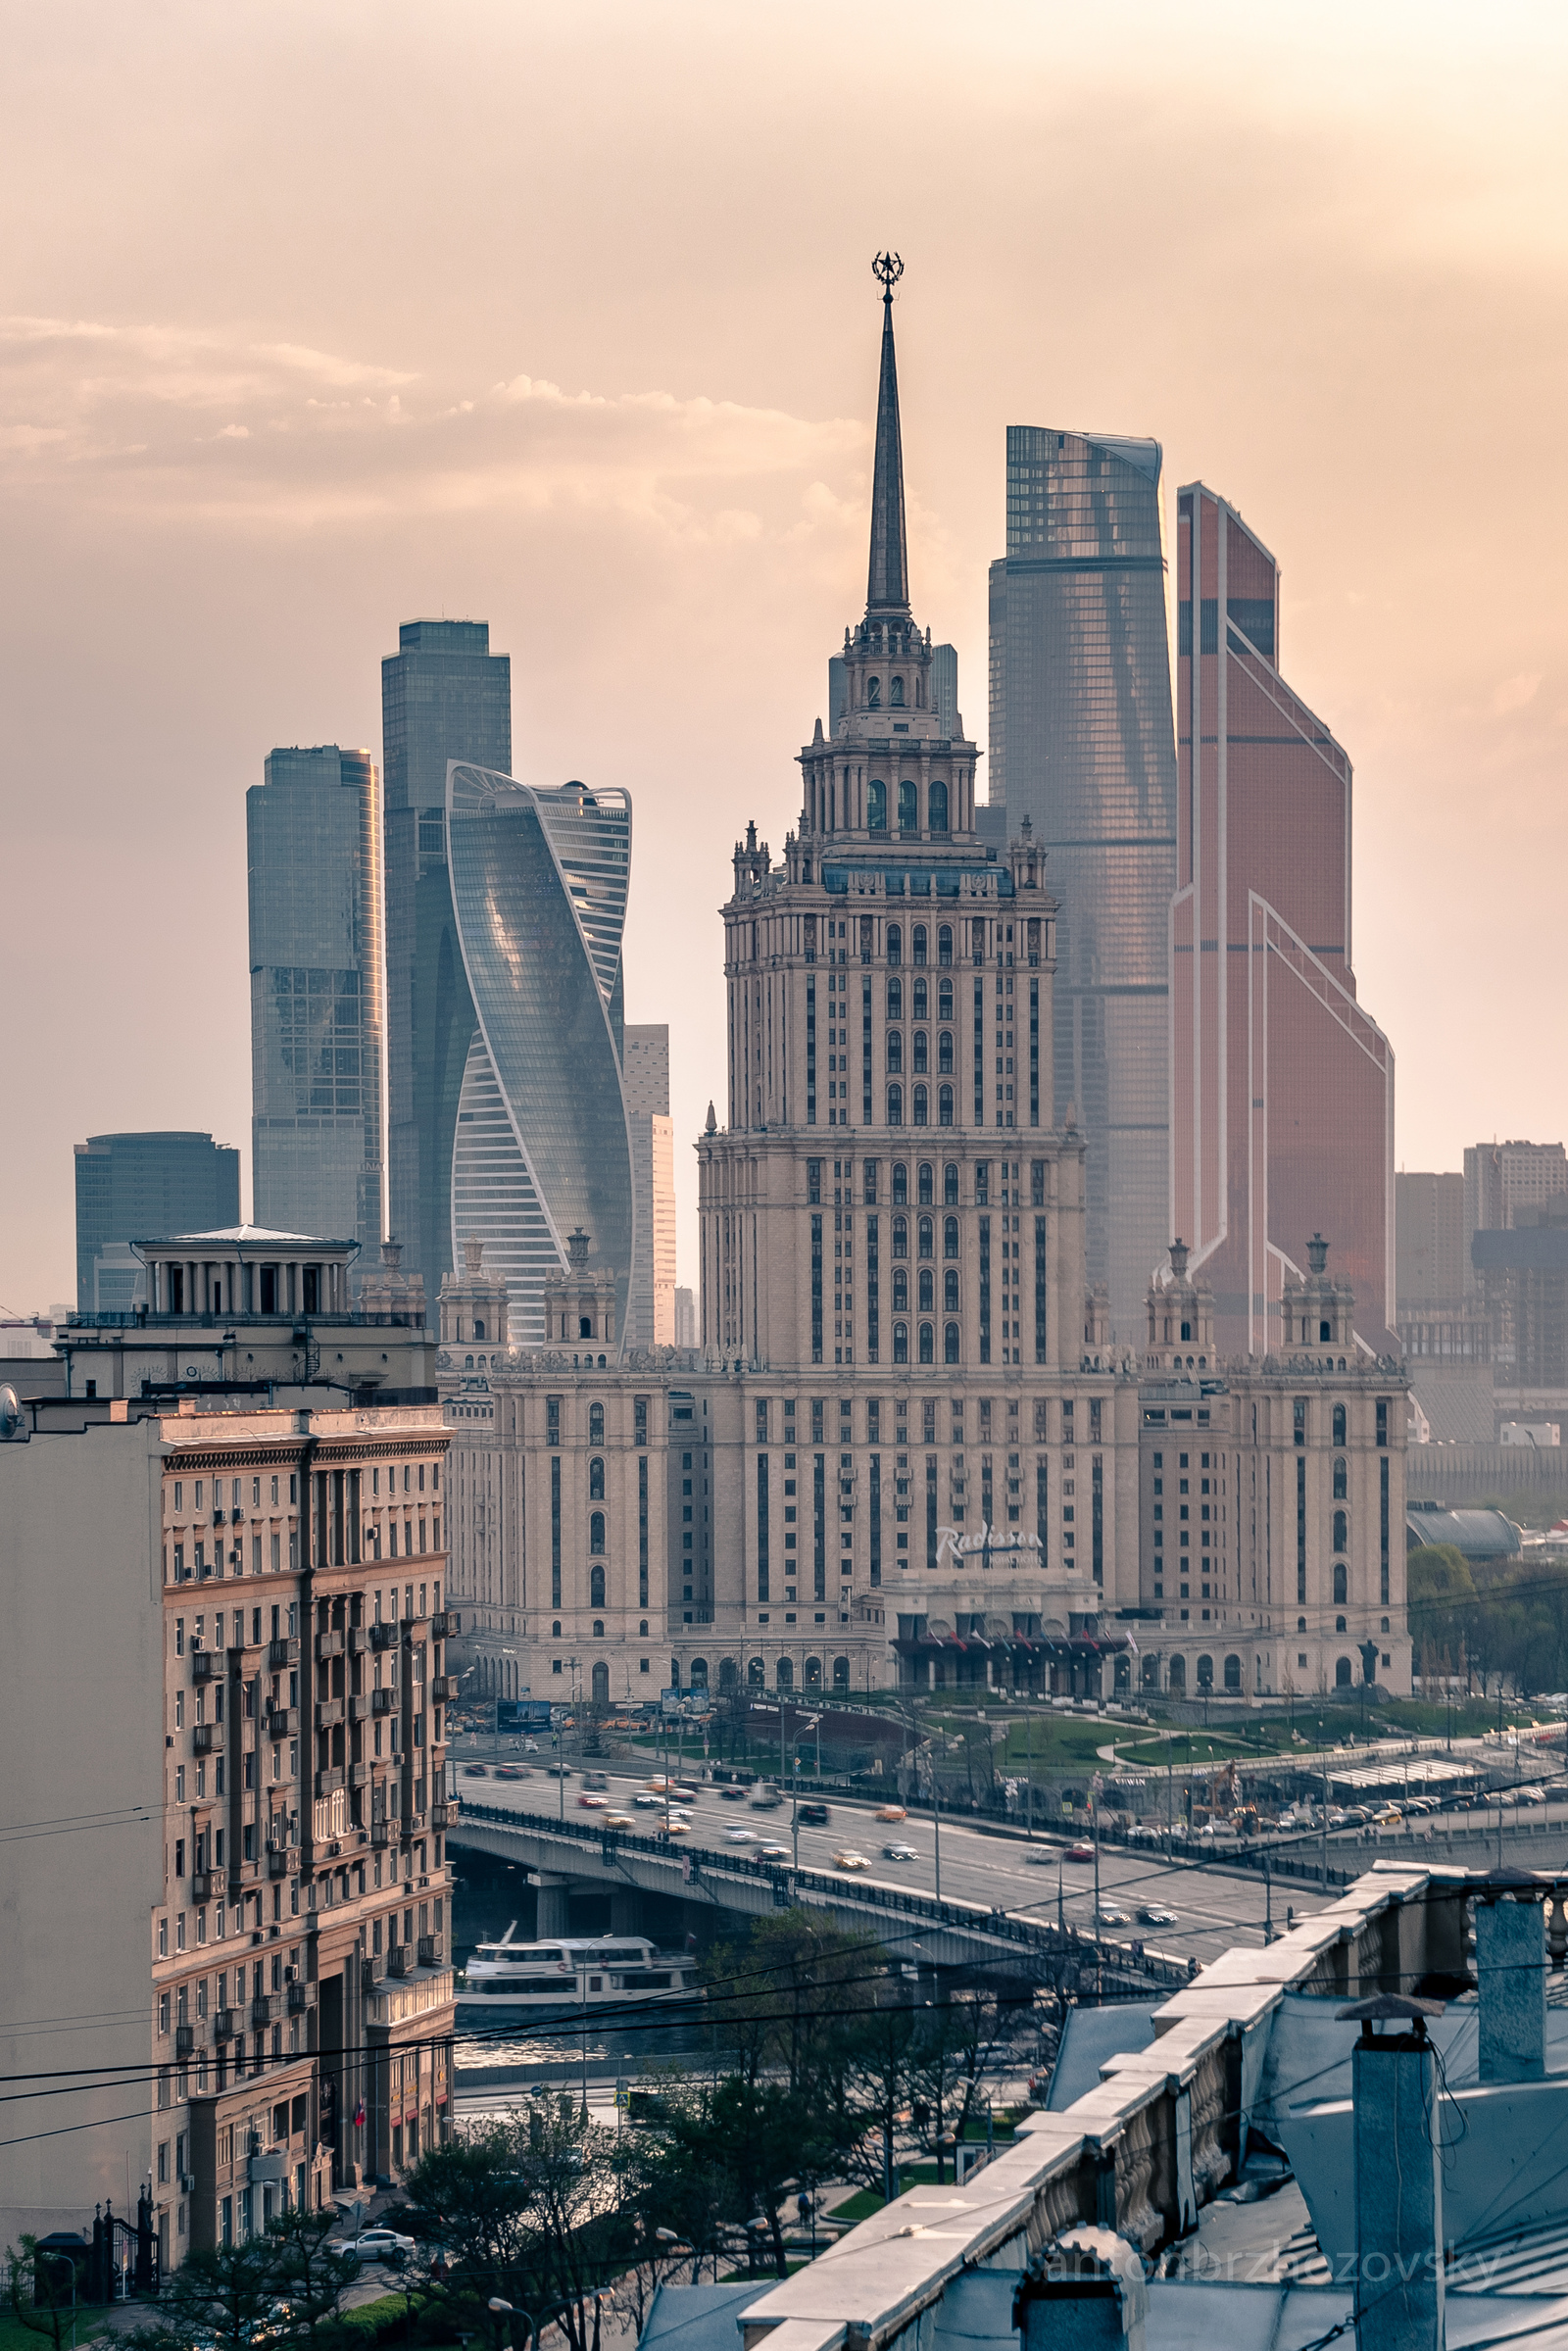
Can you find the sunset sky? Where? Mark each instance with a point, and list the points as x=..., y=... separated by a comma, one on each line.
x=320, y=317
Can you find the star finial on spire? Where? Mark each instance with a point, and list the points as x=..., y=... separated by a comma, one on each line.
x=888, y=590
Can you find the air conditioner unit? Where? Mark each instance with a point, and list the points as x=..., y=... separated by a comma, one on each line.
x=187, y=2184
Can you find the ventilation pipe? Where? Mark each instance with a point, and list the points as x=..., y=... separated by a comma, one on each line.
x=1398, y=2176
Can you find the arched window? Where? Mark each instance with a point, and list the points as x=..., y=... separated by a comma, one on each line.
x=467, y=1363
x=756, y=1673
x=596, y=1478
x=949, y=1290
x=596, y=1530
x=928, y=1343
x=945, y=943
x=917, y=944
x=642, y=1627
x=784, y=1674
x=601, y=1676
x=1342, y=1528
x=928, y=1237
x=814, y=1672
x=921, y=1042
x=928, y=1289
x=1341, y=1673
x=727, y=1674
x=1342, y=1584
x=949, y=1344
x=596, y=1587
x=920, y=1006
x=1176, y=1678
x=901, y=1184
x=945, y=1051
x=595, y=1424
x=1205, y=1672
x=937, y=804
x=1340, y=1483
x=908, y=808
x=478, y=1329
x=841, y=1673
x=1233, y=1673
x=894, y=1000
x=900, y=1293
x=895, y=943
x=555, y=1630
x=896, y=694
x=927, y=1183
x=900, y=1343
x=699, y=1672
x=873, y=692
x=950, y=1184
x=894, y=1051
x=944, y=1000
x=949, y=1236
x=901, y=1236
x=1339, y=1424
x=876, y=805
x=895, y=1106
x=922, y=1106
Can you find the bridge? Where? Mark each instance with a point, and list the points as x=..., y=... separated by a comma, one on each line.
x=562, y=1855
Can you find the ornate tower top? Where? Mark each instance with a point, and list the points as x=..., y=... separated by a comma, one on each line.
x=888, y=585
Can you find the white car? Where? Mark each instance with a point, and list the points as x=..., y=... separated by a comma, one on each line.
x=740, y=1837
x=377, y=2244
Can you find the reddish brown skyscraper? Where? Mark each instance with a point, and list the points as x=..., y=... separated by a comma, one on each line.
x=1282, y=1094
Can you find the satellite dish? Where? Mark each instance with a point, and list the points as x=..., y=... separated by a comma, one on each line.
x=10, y=1415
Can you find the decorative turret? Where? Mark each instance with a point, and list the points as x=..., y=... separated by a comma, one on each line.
x=474, y=1304
x=1181, y=1318
x=1316, y=1312
x=580, y=1302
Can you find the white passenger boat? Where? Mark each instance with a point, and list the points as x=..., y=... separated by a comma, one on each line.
x=570, y=1974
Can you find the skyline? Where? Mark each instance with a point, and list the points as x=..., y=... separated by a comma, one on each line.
x=231, y=585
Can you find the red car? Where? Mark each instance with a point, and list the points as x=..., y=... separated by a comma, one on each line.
x=1079, y=1852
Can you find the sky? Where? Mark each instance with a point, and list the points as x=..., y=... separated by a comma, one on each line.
x=316, y=317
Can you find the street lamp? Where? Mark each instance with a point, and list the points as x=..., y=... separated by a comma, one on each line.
x=513, y=2310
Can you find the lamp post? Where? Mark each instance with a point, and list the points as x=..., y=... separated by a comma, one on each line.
x=513, y=2310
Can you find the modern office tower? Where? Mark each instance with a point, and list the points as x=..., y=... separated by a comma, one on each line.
x=1282, y=1087
x=314, y=840
x=137, y=1187
x=645, y=1077
x=685, y=1318
x=538, y=897
x=1081, y=709
x=1429, y=1239
x=444, y=696
x=1444, y=1333
x=1501, y=1178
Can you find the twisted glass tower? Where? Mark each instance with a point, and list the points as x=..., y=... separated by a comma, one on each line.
x=539, y=882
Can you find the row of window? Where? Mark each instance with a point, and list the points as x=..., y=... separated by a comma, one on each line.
x=1009, y=1193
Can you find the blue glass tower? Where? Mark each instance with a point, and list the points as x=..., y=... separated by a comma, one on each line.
x=538, y=891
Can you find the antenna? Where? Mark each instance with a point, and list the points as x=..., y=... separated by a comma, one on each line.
x=888, y=268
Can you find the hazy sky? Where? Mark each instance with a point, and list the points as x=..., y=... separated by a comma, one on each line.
x=319, y=318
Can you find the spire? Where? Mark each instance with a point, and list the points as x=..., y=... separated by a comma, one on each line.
x=889, y=587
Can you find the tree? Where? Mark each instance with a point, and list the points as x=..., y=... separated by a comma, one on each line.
x=49, y=2308
x=224, y=2296
x=309, y=2277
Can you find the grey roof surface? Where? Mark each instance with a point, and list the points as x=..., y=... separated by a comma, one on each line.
x=1478, y=1534
x=1090, y=2036
x=698, y=2318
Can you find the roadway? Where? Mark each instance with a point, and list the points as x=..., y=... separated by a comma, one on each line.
x=1214, y=1908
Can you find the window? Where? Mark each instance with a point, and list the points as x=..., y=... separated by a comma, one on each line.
x=928, y=1343
x=595, y=1424
x=1340, y=1583
x=928, y=1299
x=895, y=943
x=895, y=1101
x=900, y=1293
x=922, y=1098
x=896, y=694
x=596, y=1480
x=950, y=1237
x=876, y=805
x=1299, y=1419
x=900, y=1343
x=945, y=951
x=873, y=692
x=908, y=806
x=901, y=1229
x=1340, y=1488
x=596, y=1587
x=901, y=1185
x=920, y=1056
x=920, y=996
x=949, y=1344
x=928, y=1232
x=917, y=946
x=950, y=1294
x=1341, y=1530
x=936, y=806
x=1339, y=1424
x=944, y=1105
x=945, y=1051
x=596, y=1531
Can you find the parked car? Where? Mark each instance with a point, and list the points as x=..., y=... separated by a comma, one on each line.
x=815, y=1816
x=376, y=2244
x=899, y=1853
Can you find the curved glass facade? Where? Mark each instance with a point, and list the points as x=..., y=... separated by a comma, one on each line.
x=539, y=882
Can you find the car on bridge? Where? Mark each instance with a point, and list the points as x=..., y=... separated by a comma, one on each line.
x=891, y=1812
x=773, y=1853
x=740, y=1837
x=1152, y=1914
x=899, y=1853
x=511, y=1771
x=849, y=1859
x=617, y=1819
x=815, y=1816
x=1078, y=1851
x=732, y=1796
x=1113, y=1918
x=588, y=1801
x=475, y=1770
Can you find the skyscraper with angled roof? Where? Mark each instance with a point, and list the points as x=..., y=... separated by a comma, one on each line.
x=1080, y=703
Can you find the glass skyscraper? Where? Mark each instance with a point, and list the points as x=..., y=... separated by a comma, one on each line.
x=147, y=1188
x=314, y=842
x=538, y=888
x=1080, y=699
x=1282, y=1087
x=444, y=696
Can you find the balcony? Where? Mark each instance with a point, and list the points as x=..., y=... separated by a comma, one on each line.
x=328, y=1784
x=443, y=1688
x=328, y=1645
x=383, y=1636
x=381, y=1837
x=385, y=1701
x=298, y=1999
x=205, y=1665
x=283, y=1722
x=281, y=1654
x=398, y=1959
x=358, y=1775
x=441, y=1816
x=358, y=1641
x=432, y=1950
x=328, y=1713
x=281, y=1861
x=224, y=2024
x=266, y=2008
x=356, y=1708
x=445, y=1625
x=371, y=1973
x=412, y=1825
x=185, y=2039
x=204, y=1738
x=204, y=1885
